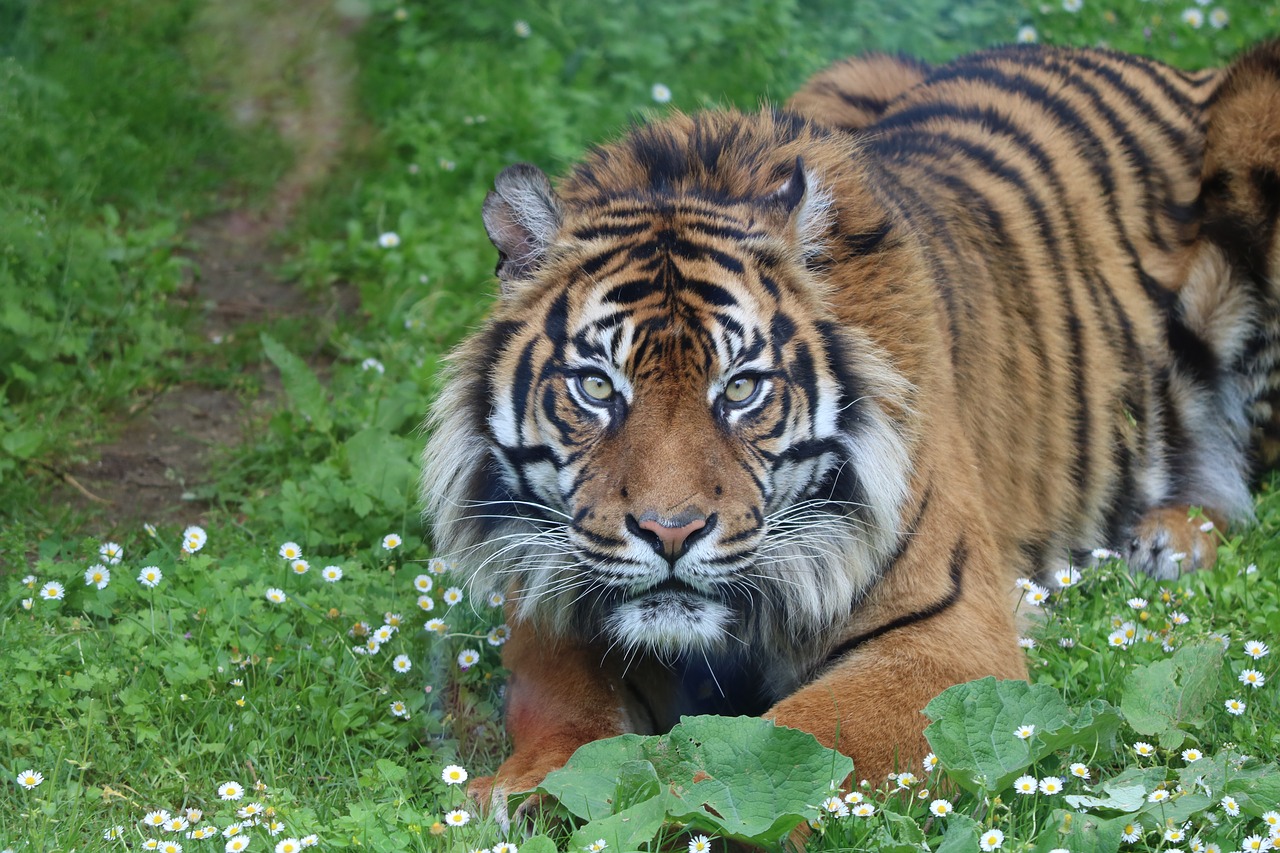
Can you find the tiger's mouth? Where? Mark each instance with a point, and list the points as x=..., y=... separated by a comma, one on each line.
x=671, y=617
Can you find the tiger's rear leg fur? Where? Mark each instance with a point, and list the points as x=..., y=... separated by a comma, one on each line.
x=1240, y=194
x=1225, y=392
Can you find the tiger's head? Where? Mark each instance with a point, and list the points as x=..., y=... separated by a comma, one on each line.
x=664, y=434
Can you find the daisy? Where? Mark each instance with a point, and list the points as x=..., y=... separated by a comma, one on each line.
x=372, y=646
x=1036, y=596
x=170, y=847
x=373, y=364
x=1070, y=576
x=388, y=239
x=151, y=844
x=835, y=807
x=111, y=552
x=177, y=823
x=28, y=603
x=1253, y=678
x=399, y=709
x=1190, y=755
x=288, y=845
x=468, y=658
x=437, y=566
x=113, y=832
x=596, y=846
x=930, y=763
x=300, y=567
x=906, y=780
x=332, y=574
x=993, y=839
x=496, y=599
x=1026, y=35
x=854, y=797
x=249, y=810
x=1255, y=844
x=1230, y=806
x=505, y=847
x=275, y=827
x=1051, y=785
x=453, y=775
x=1137, y=603
x=1101, y=554
x=1234, y=707
x=1132, y=832
x=660, y=93
x=1118, y=639
x=457, y=817
x=150, y=577
x=98, y=576
x=863, y=810
x=1255, y=649
x=233, y=830
x=310, y=840
x=1219, y=18
x=1159, y=795
x=276, y=596
x=1271, y=819
x=30, y=778
x=290, y=551
x=436, y=625
x=384, y=633
x=1026, y=643
x=1079, y=771
x=1025, y=785
x=1177, y=617
x=203, y=832
x=193, y=539
x=1193, y=18
x=401, y=663
x=941, y=808
x=235, y=845
x=1144, y=749
x=1174, y=834
x=1024, y=732
x=230, y=790
x=426, y=603
x=1024, y=584
x=52, y=591
x=699, y=844
x=156, y=817
x=423, y=583
x=452, y=595
x=498, y=635
x=391, y=541
x=1072, y=6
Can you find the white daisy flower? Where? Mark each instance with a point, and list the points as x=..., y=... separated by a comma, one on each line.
x=391, y=541
x=401, y=663
x=453, y=775
x=468, y=658
x=1051, y=785
x=452, y=596
x=1256, y=649
x=1027, y=35
x=1131, y=833
x=300, y=567
x=457, y=817
x=1219, y=18
x=1024, y=732
x=291, y=551
x=30, y=778
x=388, y=239
x=98, y=576
x=660, y=93
x=1025, y=785
x=1253, y=678
x=423, y=583
x=993, y=839
x=331, y=574
x=111, y=552
x=941, y=808
x=230, y=790
x=276, y=596
x=52, y=591
x=522, y=28
x=150, y=576
x=1191, y=755
x=1193, y=18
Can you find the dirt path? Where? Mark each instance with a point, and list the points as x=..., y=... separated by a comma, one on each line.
x=290, y=65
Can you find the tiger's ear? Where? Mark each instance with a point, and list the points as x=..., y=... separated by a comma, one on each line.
x=521, y=215
x=802, y=207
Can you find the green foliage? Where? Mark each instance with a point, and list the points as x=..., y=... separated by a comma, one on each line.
x=741, y=778
x=1167, y=696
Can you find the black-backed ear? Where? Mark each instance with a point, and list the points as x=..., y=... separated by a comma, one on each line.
x=803, y=208
x=521, y=215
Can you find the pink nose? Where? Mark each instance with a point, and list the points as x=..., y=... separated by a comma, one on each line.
x=673, y=538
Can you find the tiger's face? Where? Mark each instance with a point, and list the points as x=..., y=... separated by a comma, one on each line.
x=675, y=446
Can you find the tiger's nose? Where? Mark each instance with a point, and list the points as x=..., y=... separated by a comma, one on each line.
x=672, y=536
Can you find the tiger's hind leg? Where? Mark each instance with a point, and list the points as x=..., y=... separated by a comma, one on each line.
x=1241, y=201
x=1224, y=388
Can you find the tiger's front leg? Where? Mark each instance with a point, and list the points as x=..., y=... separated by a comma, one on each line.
x=560, y=695
x=912, y=643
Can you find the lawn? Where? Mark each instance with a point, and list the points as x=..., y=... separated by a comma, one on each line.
x=261, y=647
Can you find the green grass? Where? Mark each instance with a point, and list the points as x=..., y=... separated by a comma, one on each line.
x=129, y=699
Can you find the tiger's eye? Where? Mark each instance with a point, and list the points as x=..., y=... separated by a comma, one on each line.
x=596, y=386
x=740, y=389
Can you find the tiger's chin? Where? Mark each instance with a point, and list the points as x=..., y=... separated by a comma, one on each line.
x=669, y=622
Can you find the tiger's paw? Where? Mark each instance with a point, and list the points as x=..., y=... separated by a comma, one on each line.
x=1169, y=541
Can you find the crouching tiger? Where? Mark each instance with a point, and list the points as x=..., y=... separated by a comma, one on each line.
x=773, y=407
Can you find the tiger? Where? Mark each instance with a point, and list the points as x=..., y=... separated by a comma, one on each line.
x=773, y=407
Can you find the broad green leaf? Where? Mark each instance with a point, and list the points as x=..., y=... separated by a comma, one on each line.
x=1081, y=833
x=302, y=386
x=378, y=463
x=974, y=725
x=1165, y=698
x=539, y=844
x=961, y=835
x=740, y=777
x=1127, y=798
x=627, y=830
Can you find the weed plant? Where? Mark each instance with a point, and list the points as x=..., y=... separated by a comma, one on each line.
x=231, y=675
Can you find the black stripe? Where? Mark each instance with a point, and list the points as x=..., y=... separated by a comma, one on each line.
x=959, y=555
x=867, y=242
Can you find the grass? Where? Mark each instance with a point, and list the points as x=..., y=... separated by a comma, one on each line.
x=129, y=699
